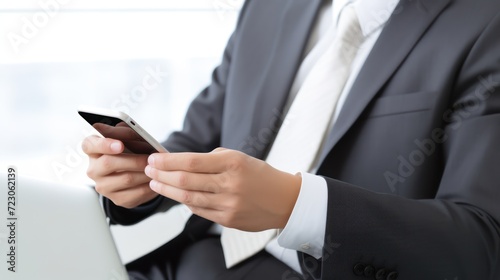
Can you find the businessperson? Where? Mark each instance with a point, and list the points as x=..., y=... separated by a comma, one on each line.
x=395, y=174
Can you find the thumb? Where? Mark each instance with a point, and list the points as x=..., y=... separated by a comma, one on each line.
x=217, y=150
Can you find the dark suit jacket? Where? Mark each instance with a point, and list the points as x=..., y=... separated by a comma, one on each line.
x=413, y=161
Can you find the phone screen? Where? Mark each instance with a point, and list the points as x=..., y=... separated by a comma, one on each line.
x=111, y=127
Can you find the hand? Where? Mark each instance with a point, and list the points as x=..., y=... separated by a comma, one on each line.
x=227, y=187
x=119, y=177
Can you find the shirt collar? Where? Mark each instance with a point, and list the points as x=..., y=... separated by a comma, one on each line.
x=372, y=14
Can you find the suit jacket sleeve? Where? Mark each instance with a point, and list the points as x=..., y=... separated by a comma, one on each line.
x=456, y=235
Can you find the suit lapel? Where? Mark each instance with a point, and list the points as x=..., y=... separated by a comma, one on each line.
x=298, y=18
x=406, y=26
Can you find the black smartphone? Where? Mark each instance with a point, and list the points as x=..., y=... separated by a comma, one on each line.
x=120, y=126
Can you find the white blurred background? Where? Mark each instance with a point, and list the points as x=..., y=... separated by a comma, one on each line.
x=58, y=54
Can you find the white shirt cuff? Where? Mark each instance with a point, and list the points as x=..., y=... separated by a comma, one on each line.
x=305, y=230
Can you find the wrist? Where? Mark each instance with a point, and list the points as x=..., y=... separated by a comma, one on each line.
x=291, y=189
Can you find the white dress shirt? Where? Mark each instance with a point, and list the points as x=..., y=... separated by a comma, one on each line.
x=305, y=230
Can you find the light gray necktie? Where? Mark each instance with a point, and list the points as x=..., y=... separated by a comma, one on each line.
x=302, y=133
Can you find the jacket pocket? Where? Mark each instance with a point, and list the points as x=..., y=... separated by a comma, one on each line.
x=400, y=104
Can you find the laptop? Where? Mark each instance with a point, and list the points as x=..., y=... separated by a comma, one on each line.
x=54, y=231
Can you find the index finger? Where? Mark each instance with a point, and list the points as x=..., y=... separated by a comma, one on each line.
x=191, y=162
x=93, y=144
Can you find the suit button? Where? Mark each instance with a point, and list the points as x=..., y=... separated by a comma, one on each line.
x=359, y=269
x=393, y=276
x=369, y=271
x=381, y=274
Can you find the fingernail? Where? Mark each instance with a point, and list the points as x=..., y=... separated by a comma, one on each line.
x=154, y=185
x=148, y=170
x=115, y=147
x=151, y=159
